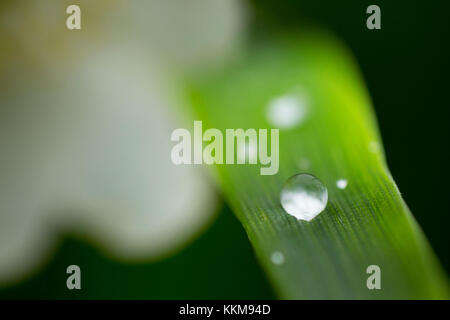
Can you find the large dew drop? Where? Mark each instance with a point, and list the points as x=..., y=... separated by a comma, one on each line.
x=304, y=196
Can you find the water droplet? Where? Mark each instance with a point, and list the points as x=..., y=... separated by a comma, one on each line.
x=374, y=146
x=304, y=196
x=286, y=111
x=342, y=183
x=304, y=164
x=277, y=258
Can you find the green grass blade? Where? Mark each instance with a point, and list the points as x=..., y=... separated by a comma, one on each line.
x=365, y=224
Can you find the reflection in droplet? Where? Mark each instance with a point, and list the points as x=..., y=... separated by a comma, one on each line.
x=286, y=111
x=277, y=258
x=342, y=183
x=304, y=196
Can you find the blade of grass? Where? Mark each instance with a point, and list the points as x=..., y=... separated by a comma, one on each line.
x=365, y=224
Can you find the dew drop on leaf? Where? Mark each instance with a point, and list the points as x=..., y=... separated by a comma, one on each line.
x=277, y=258
x=286, y=111
x=342, y=183
x=304, y=196
x=374, y=147
x=304, y=164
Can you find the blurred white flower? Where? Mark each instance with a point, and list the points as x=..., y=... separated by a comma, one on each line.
x=85, y=123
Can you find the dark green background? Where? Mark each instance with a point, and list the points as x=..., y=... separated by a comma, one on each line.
x=218, y=265
x=405, y=66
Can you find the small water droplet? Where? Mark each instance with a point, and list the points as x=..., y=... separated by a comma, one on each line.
x=277, y=258
x=286, y=111
x=304, y=196
x=342, y=183
x=304, y=164
x=374, y=146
